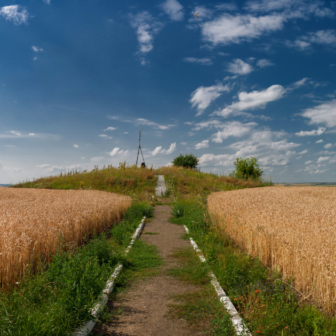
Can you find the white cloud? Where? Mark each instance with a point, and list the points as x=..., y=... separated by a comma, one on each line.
x=319, y=141
x=117, y=151
x=104, y=136
x=15, y=13
x=235, y=29
x=76, y=146
x=264, y=145
x=321, y=159
x=156, y=150
x=183, y=143
x=326, y=37
x=308, y=162
x=202, y=97
x=322, y=114
x=203, y=144
x=290, y=8
x=328, y=145
x=83, y=157
x=110, y=129
x=227, y=7
x=203, y=61
x=47, y=1
x=174, y=9
x=239, y=67
x=12, y=169
x=36, y=49
x=159, y=150
x=146, y=27
x=319, y=131
x=253, y=100
x=263, y=63
x=15, y=133
x=142, y=122
x=43, y=166
x=31, y=134
x=233, y=128
x=126, y=132
x=299, y=157
x=304, y=152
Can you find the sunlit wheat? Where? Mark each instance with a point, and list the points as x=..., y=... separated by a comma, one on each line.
x=291, y=229
x=32, y=221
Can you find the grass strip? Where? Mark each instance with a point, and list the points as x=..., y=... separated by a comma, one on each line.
x=200, y=308
x=267, y=304
x=59, y=298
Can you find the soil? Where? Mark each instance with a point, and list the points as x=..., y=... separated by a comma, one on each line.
x=144, y=305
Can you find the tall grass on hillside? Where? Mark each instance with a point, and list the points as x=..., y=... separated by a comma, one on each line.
x=291, y=230
x=32, y=223
x=127, y=180
x=189, y=181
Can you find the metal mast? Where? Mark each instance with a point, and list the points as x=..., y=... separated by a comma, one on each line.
x=139, y=149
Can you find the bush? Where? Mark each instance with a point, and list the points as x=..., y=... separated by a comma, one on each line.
x=186, y=161
x=247, y=168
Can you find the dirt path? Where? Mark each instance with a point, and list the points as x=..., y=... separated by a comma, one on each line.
x=145, y=304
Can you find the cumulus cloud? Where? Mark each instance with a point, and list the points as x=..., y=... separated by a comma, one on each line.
x=110, y=129
x=267, y=146
x=203, y=96
x=228, y=29
x=15, y=13
x=203, y=144
x=174, y=9
x=263, y=63
x=239, y=67
x=253, y=100
x=159, y=150
x=76, y=146
x=322, y=159
x=319, y=131
x=117, y=151
x=319, y=141
x=202, y=61
x=146, y=27
x=233, y=128
x=36, y=49
x=304, y=152
x=324, y=37
x=324, y=113
x=328, y=145
x=308, y=162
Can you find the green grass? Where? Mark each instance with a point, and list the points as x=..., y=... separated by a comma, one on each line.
x=268, y=305
x=200, y=308
x=139, y=183
x=59, y=297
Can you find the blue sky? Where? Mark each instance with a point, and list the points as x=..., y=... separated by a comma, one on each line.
x=78, y=79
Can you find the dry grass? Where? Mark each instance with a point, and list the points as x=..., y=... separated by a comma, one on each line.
x=32, y=221
x=292, y=230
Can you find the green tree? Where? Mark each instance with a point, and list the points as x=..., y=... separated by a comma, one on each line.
x=247, y=168
x=186, y=161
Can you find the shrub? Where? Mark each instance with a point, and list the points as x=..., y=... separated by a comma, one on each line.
x=186, y=161
x=247, y=168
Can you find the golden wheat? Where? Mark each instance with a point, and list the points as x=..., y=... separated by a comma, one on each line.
x=291, y=229
x=32, y=221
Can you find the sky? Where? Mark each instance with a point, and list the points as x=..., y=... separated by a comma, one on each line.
x=220, y=80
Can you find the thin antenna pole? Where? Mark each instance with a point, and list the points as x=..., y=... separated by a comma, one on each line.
x=139, y=149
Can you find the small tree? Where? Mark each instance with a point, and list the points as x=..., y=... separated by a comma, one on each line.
x=186, y=161
x=247, y=168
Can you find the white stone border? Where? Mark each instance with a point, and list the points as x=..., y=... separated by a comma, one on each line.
x=88, y=326
x=237, y=322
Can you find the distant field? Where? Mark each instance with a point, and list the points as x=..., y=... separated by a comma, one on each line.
x=292, y=230
x=32, y=222
x=313, y=184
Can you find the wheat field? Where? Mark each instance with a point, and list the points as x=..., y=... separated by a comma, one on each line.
x=291, y=230
x=32, y=221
